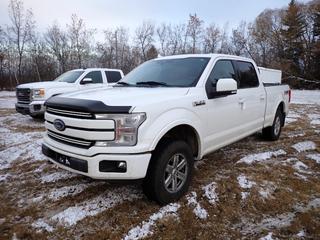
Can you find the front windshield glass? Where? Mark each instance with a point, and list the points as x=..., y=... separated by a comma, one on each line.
x=69, y=77
x=179, y=72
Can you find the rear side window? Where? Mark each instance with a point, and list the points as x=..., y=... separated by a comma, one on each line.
x=247, y=75
x=222, y=69
x=113, y=76
x=95, y=76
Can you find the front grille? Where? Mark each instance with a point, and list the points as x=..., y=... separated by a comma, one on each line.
x=24, y=95
x=76, y=142
x=68, y=113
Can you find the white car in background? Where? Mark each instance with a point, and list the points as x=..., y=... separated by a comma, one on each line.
x=31, y=96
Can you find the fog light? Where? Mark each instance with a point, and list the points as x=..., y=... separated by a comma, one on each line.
x=122, y=165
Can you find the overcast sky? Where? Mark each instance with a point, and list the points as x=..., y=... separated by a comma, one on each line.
x=103, y=14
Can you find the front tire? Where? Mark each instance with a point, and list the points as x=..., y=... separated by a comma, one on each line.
x=273, y=132
x=170, y=172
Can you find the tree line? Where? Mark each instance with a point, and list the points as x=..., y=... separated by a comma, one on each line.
x=286, y=39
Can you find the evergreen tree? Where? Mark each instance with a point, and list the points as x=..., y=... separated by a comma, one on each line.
x=292, y=32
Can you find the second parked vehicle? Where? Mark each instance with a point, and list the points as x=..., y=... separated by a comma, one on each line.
x=31, y=96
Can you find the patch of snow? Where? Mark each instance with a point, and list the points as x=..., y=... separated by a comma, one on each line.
x=290, y=120
x=40, y=224
x=266, y=189
x=315, y=157
x=302, y=233
x=268, y=237
x=57, y=194
x=304, y=146
x=301, y=176
x=7, y=102
x=4, y=177
x=305, y=97
x=258, y=157
x=144, y=229
x=245, y=183
x=30, y=151
x=56, y=176
x=109, y=199
x=4, y=130
x=7, y=94
x=292, y=135
x=197, y=209
x=17, y=120
x=210, y=192
x=315, y=122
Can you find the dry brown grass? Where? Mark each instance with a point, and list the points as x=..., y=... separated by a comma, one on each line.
x=229, y=218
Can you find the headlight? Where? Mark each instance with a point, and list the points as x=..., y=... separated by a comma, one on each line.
x=126, y=128
x=38, y=93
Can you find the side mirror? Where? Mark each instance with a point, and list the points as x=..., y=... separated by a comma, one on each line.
x=86, y=81
x=226, y=86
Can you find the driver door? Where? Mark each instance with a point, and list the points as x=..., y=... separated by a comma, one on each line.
x=223, y=112
x=97, y=80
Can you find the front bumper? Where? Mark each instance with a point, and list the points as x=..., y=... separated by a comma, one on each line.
x=34, y=108
x=137, y=164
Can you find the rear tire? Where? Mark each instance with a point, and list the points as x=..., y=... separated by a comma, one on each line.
x=273, y=132
x=169, y=172
x=40, y=117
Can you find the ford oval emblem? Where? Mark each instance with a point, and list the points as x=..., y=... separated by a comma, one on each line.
x=59, y=124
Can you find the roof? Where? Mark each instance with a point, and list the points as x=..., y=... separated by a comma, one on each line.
x=210, y=55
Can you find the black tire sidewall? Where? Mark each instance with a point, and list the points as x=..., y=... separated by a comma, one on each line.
x=159, y=162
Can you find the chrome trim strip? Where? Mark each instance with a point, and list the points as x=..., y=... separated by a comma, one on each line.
x=66, y=139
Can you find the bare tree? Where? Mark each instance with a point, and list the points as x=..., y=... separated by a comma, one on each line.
x=80, y=39
x=144, y=37
x=114, y=50
x=211, y=39
x=20, y=31
x=58, y=45
x=163, y=36
x=240, y=40
x=195, y=30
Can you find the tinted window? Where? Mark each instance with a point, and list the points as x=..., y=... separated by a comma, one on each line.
x=181, y=72
x=247, y=75
x=222, y=69
x=69, y=77
x=95, y=76
x=113, y=76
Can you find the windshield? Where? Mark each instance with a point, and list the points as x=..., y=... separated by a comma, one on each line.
x=179, y=72
x=69, y=77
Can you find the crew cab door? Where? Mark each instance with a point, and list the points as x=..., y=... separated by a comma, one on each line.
x=251, y=98
x=112, y=76
x=95, y=76
x=223, y=121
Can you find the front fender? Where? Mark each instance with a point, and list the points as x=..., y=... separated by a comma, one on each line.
x=168, y=120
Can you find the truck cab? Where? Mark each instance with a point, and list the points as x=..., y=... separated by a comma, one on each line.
x=31, y=96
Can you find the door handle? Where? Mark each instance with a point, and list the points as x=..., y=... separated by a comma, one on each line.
x=241, y=101
x=262, y=97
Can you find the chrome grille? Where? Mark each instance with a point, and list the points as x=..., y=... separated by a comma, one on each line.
x=68, y=113
x=23, y=95
x=77, y=142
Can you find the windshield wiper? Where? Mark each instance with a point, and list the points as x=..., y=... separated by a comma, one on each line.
x=124, y=83
x=152, y=83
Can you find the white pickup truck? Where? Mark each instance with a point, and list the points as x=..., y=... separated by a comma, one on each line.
x=161, y=117
x=31, y=96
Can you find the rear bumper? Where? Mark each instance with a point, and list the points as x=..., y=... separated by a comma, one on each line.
x=136, y=164
x=35, y=108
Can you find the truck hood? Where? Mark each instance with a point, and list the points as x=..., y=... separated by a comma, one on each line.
x=48, y=84
x=130, y=96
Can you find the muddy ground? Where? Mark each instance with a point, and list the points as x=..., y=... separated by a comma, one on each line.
x=249, y=190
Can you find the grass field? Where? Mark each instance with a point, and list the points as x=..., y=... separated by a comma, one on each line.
x=251, y=189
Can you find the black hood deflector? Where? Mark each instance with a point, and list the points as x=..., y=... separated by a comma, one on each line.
x=84, y=105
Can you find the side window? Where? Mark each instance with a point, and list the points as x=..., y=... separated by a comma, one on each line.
x=222, y=69
x=113, y=76
x=247, y=75
x=95, y=76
